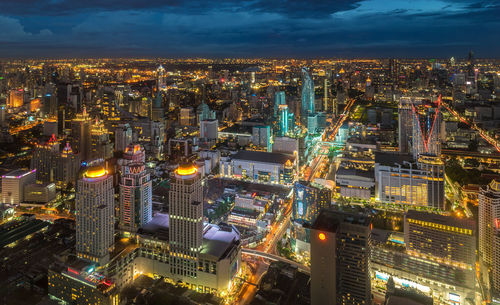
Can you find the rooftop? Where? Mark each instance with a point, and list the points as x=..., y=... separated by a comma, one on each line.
x=387, y=158
x=262, y=156
x=441, y=219
x=330, y=220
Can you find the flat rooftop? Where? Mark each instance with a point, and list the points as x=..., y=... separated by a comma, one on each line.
x=388, y=158
x=262, y=156
x=442, y=219
x=330, y=220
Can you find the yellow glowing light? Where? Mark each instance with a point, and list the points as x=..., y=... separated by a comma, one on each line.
x=322, y=236
x=185, y=170
x=95, y=172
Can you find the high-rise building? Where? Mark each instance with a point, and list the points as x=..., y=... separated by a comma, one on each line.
x=489, y=231
x=447, y=238
x=186, y=116
x=95, y=221
x=186, y=221
x=101, y=146
x=308, y=104
x=136, y=197
x=405, y=121
x=325, y=95
x=209, y=129
x=44, y=160
x=261, y=136
x=16, y=98
x=134, y=153
x=203, y=112
x=157, y=111
x=13, y=184
x=123, y=137
x=340, y=259
x=426, y=129
x=80, y=133
x=161, y=81
x=283, y=119
x=279, y=99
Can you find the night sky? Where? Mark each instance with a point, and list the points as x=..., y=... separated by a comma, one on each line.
x=233, y=28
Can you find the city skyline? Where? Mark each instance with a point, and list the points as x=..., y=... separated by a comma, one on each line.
x=293, y=28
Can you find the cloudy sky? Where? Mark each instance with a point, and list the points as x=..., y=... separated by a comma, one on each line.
x=240, y=28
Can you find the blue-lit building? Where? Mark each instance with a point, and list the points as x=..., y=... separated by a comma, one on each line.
x=279, y=99
x=283, y=119
x=307, y=106
x=308, y=200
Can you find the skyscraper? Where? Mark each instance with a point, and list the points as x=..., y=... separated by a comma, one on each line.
x=426, y=129
x=95, y=215
x=186, y=221
x=307, y=95
x=44, y=160
x=80, y=132
x=279, y=99
x=489, y=219
x=283, y=119
x=340, y=259
x=135, y=197
x=123, y=136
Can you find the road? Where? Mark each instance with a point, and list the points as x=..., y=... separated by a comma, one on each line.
x=474, y=126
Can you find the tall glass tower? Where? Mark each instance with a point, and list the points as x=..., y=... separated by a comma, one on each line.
x=307, y=94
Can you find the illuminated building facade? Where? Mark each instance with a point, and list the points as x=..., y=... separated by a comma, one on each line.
x=136, y=206
x=448, y=282
x=186, y=221
x=489, y=231
x=45, y=160
x=179, y=246
x=258, y=166
x=307, y=95
x=420, y=184
x=95, y=218
x=13, y=184
x=340, y=259
x=101, y=147
x=283, y=119
x=445, y=237
x=85, y=286
x=209, y=129
x=16, y=98
x=261, y=136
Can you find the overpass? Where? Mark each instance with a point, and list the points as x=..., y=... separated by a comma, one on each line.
x=275, y=258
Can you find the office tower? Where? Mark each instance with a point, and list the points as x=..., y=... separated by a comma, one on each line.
x=13, y=184
x=16, y=98
x=308, y=106
x=123, y=136
x=157, y=112
x=161, y=80
x=204, y=113
x=186, y=221
x=283, y=119
x=279, y=99
x=261, y=136
x=450, y=239
x=426, y=129
x=95, y=215
x=109, y=107
x=68, y=166
x=340, y=259
x=136, y=207
x=308, y=200
x=101, y=146
x=44, y=160
x=489, y=215
x=209, y=129
x=405, y=122
x=81, y=134
x=186, y=116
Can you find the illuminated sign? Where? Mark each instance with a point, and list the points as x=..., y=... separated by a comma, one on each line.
x=454, y=297
x=322, y=236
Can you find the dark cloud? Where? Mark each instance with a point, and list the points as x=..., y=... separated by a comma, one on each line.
x=430, y=28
